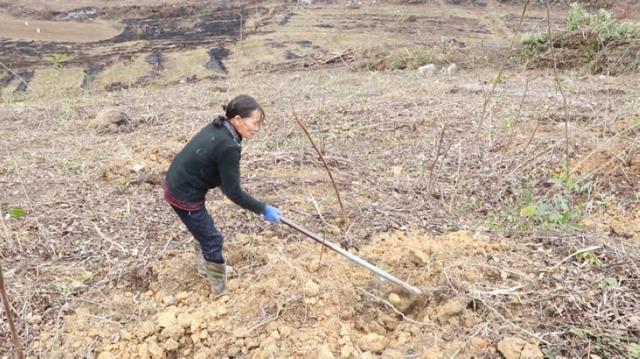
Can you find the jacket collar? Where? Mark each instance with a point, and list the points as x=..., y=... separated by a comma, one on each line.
x=236, y=136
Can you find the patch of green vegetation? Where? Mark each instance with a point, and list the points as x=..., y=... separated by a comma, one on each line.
x=603, y=24
x=585, y=34
x=560, y=208
x=12, y=212
x=534, y=44
x=58, y=60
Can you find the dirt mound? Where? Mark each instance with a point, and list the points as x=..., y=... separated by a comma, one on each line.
x=280, y=302
x=141, y=165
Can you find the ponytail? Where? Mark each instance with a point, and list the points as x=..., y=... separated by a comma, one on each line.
x=242, y=106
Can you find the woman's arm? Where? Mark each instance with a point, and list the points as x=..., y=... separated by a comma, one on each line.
x=229, y=168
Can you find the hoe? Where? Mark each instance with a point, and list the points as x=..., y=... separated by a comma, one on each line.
x=414, y=292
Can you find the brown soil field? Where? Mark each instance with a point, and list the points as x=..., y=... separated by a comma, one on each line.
x=508, y=194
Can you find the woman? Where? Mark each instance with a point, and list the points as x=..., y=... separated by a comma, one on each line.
x=209, y=160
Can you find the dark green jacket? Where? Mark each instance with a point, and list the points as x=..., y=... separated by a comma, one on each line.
x=209, y=160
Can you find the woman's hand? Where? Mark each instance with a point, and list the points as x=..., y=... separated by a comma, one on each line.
x=271, y=214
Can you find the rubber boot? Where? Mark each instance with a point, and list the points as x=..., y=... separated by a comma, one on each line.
x=217, y=276
x=199, y=259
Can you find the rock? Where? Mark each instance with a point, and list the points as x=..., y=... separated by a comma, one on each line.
x=105, y=355
x=196, y=321
x=111, y=120
x=143, y=350
x=478, y=342
x=182, y=296
x=145, y=330
x=375, y=327
x=452, y=307
x=451, y=69
x=284, y=331
x=392, y=354
x=124, y=334
x=184, y=320
x=434, y=352
x=171, y=345
x=325, y=352
x=311, y=289
x=372, y=342
x=167, y=318
x=169, y=300
x=172, y=331
x=346, y=351
x=531, y=351
x=511, y=347
x=394, y=299
x=156, y=351
x=34, y=319
x=427, y=70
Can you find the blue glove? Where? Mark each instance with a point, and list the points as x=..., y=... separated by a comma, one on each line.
x=271, y=214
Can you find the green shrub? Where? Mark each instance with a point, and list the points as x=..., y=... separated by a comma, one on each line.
x=57, y=60
x=603, y=24
x=534, y=44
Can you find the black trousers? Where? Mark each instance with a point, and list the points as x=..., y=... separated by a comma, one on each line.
x=200, y=224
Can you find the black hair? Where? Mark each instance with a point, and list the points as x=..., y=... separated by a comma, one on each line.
x=242, y=106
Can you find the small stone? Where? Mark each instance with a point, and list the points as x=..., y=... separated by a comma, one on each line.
x=156, y=351
x=173, y=331
x=511, y=347
x=34, y=319
x=392, y=354
x=394, y=299
x=184, y=320
x=311, y=289
x=418, y=257
x=284, y=331
x=346, y=351
x=451, y=69
x=124, y=334
x=169, y=300
x=143, y=350
x=427, y=70
x=167, y=318
x=531, y=351
x=325, y=352
x=182, y=296
x=105, y=355
x=451, y=308
x=145, y=330
x=372, y=342
x=196, y=322
x=478, y=342
x=171, y=345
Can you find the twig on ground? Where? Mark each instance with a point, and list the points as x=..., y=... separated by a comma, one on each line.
x=564, y=98
x=7, y=310
x=588, y=249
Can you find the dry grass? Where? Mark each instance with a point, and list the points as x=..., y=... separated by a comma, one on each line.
x=185, y=65
x=88, y=209
x=54, y=82
x=126, y=73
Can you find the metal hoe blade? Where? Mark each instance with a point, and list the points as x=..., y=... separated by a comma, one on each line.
x=351, y=257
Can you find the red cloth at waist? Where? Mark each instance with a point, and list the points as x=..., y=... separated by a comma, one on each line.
x=169, y=197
